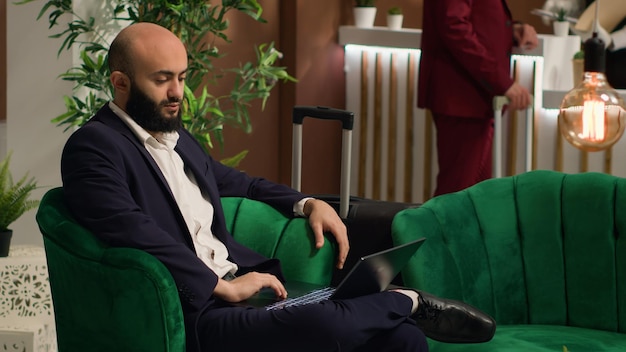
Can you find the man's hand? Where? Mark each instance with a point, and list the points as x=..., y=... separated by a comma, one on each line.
x=525, y=36
x=322, y=217
x=519, y=98
x=245, y=286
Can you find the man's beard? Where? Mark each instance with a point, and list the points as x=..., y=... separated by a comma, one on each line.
x=147, y=113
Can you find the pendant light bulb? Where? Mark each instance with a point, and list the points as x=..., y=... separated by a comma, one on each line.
x=592, y=116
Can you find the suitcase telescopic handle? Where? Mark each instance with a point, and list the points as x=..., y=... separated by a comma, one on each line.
x=323, y=112
x=498, y=104
x=347, y=121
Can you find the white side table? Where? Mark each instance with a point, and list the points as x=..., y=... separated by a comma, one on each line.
x=26, y=311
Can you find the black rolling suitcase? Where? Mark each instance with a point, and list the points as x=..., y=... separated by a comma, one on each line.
x=368, y=221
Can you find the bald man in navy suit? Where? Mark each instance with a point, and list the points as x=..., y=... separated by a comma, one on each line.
x=135, y=178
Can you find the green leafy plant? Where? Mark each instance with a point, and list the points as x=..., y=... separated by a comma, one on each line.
x=201, y=26
x=395, y=10
x=365, y=3
x=560, y=14
x=580, y=54
x=14, y=197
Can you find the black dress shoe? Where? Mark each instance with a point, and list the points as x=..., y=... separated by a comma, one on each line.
x=452, y=321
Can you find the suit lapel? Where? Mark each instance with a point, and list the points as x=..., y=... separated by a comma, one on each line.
x=506, y=8
x=108, y=117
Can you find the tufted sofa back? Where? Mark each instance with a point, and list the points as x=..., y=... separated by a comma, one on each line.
x=541, y=247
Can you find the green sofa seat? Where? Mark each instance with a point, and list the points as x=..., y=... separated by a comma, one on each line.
x=124, y=299
x=543, y=252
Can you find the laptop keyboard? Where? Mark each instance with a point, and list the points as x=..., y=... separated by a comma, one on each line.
x=314, y=296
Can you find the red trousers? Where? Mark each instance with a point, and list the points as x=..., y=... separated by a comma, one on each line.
x=464, y=151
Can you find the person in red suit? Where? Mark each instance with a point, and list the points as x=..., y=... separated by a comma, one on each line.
x=465, y=62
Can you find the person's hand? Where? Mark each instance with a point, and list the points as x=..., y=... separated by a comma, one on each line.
x=322, y=218
x=525, y=36
x=245, y=286
x=519, y=98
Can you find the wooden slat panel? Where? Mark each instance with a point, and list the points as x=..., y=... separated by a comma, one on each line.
x=558, y=150
x=511, y=145
x=608, y=156
x=409, y=137
x=584, y=161
x=393, y=123
x=533, y=160
x=511, y=160
x=378, y=124
x=428, y=153
x=364, y=125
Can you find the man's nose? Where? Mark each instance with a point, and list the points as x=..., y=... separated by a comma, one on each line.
x=176, y=89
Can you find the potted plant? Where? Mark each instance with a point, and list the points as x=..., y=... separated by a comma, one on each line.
x=14, y=201
x=201, y=26
x=578, y=63
x=560, y=25
x=364, y=13
x=394, y=18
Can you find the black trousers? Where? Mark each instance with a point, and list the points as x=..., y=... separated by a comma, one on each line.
x=377, y=322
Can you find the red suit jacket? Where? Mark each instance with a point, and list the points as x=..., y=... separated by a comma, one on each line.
x=465, y=62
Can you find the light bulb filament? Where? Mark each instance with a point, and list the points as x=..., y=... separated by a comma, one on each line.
x=593, y=121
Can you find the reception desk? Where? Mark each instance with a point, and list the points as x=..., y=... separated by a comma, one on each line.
x=394, y=142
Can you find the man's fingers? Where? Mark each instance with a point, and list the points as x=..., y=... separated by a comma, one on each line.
x=318, y=234
x=344, y=248
x=278, y=287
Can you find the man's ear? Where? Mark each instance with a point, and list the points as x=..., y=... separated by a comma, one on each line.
x=120, y=81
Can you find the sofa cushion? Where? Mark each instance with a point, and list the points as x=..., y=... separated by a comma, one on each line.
x=541, y=338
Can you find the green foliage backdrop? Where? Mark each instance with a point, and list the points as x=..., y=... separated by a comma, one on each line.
x=198, y=23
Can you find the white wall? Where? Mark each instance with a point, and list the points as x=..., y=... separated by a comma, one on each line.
x=34, y=96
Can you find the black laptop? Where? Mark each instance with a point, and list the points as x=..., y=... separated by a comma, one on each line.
x=371, y=274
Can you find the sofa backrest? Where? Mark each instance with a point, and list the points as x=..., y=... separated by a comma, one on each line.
x=541, y=247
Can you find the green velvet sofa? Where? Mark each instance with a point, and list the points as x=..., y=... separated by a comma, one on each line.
x=123, y=299
x=543, y=252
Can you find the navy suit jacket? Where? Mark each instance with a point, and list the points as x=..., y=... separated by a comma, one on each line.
x=116, y=190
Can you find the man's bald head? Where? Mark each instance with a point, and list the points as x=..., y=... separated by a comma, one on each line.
x=148, y=66
x=136, y=40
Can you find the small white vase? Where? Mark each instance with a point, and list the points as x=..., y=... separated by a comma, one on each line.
x=561, y=29
x=364, y=17
x=394, y=22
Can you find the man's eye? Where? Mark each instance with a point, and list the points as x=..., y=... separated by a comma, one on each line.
x=182, y=78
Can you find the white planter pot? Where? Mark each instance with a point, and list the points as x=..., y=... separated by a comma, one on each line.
x=394, y=22
x=364, y=17
x=561, y=29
